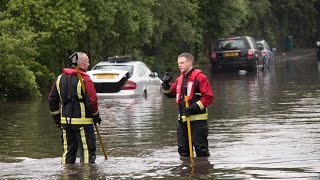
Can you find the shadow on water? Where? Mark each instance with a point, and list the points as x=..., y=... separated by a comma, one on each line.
x=201, y=168
x=261, y=126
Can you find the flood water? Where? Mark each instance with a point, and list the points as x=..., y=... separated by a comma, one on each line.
x=261, y=126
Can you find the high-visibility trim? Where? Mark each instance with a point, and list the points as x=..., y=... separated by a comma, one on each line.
x=65, y=147
x=55, y=112
x=82, y=106
x=201, y=106
x=84, y=145
x=66, y=120
x=82, y=109
x=79, y=90
x=196, y=117
x=189, y=87
x=58, y=85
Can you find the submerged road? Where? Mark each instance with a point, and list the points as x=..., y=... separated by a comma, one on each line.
x=261, y=126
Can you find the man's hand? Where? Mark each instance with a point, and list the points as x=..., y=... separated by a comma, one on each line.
x=191, y=110
x=96, y=119
x=166, y=81
x=57, y=120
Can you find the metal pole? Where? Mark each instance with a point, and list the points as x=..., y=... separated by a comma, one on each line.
x=186, y=100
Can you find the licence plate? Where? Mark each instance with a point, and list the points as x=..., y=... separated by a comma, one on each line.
x=231, y=54
x=105, y=76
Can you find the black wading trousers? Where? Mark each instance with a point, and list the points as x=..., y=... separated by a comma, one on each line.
x=80, y=137
x=199, y=133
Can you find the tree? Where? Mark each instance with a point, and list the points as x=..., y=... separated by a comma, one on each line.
x=297, y=18
x=176, y=30
x=221, y=18
x=58, y=21
x=17, y=51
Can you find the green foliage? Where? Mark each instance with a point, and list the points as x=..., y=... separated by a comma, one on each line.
x=176, y=30
x=37, y=37
x=221, y=18
x=59, y=21
x=43, y=76
x=116, y=28
x=17, y=52
x=17, y=81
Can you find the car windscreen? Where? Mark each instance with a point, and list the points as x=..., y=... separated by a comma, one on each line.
x=232, y=44
x=260, y=45
x=128, y=68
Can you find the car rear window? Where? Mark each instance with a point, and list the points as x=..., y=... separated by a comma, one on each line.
x=231, y=44
x=128, y=68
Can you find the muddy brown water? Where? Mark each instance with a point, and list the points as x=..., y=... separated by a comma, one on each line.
x=262, y=126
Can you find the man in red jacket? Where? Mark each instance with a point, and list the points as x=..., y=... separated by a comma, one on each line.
x=193, y=83
x=75, y=111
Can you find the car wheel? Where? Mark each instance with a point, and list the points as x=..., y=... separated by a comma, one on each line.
x=145, y=95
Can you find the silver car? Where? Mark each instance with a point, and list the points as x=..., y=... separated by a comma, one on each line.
x=266, y=55
x=122, y=76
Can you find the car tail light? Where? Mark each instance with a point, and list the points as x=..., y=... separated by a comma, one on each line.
x=250, y=54
x=213, y=56
x=129, y=85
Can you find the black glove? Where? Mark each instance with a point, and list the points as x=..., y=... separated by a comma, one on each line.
x=166, y=81
x=191, y=110
x=96, y=119
x=57, y=120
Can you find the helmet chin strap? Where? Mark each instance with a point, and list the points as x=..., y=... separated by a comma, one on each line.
x=74, y=58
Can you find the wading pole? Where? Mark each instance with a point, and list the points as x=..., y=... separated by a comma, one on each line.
x=98, y=132
x=186, y=100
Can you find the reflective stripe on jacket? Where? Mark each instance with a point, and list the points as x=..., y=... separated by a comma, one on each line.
x=195, y=117
x=82, y=120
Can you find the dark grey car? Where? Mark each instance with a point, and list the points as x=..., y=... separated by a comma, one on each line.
x=234, y=53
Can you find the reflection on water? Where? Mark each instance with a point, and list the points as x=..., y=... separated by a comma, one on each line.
x=200, y=168
x=261, y=126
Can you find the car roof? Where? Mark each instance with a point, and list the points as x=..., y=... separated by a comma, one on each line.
x=127, y=63
x=118, y=63
x=235, y=37
x=122, y=60
x=260, y=41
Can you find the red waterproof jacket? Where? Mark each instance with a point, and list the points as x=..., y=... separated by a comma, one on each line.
x=68, y=99
x=198, y=90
